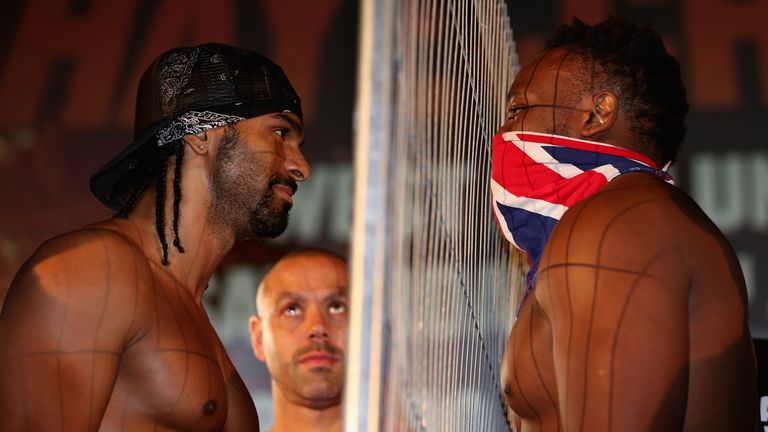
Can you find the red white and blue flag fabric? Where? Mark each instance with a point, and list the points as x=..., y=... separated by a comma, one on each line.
x=537, y=177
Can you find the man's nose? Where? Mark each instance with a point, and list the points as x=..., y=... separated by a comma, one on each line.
x=296, y=165
x=318, y=327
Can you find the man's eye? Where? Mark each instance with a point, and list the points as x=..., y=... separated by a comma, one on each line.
x=513, y=112
x=280, y=132
x=292, y=310
x=337, y=308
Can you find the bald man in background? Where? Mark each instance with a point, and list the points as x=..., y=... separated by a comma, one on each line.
x=300, y=332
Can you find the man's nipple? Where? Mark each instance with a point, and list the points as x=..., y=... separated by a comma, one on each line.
x=210, y=407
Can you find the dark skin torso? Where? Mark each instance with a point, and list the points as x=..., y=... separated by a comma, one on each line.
x=108, y=340
x=637, y=321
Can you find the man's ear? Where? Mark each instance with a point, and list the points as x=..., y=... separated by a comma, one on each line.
x=257, y=339
x=199, y=142
x=605, y=111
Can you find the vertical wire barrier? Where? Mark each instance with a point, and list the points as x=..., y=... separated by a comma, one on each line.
x=433, y=280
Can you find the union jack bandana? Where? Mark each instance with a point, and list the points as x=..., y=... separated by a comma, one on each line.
x=536, y=178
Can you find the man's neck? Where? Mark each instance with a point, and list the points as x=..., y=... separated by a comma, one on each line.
x=203, y=251
x=291, y=417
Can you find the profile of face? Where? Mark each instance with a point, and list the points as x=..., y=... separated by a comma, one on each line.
x=255, y=175
x=300, y=331
x=547, y=96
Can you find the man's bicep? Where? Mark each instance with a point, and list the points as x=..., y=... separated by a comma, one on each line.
x=242, y=413
x=61, y=335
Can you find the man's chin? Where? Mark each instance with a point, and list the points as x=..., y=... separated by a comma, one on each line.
x=270, y=227
x=322, y=403
x=322, y=394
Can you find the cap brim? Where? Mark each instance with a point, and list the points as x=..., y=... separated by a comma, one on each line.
x=116, y=181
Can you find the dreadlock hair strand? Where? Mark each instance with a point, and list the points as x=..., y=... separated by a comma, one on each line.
x=160, y=179
x=179, y=147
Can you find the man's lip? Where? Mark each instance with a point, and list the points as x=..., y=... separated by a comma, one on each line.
x=285, y=190
x=318, y=357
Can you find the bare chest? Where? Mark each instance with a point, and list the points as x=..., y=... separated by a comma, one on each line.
x=174, y=376
x=528, y=374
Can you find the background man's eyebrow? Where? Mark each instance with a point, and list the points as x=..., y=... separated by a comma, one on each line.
x=338, y=295
x=288, y=296
x=288, y=119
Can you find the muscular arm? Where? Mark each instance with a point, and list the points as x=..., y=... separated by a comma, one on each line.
x=242, y=413
x=65, y=322
x=615, y=286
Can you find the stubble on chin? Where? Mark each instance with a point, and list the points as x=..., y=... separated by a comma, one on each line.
x=321, y=387
x=269, y=218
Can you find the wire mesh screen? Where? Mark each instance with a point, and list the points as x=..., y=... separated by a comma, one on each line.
x=433, y=279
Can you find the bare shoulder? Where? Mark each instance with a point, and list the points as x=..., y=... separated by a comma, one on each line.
x=638, y=222
x=644, y=243
x=86, y=275
x=89, y=257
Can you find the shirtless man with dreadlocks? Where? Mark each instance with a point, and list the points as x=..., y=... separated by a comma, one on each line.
x=104, y=327
x=635, y=313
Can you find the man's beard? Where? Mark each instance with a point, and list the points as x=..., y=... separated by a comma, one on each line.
x=267, y=221
x=243, y=198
